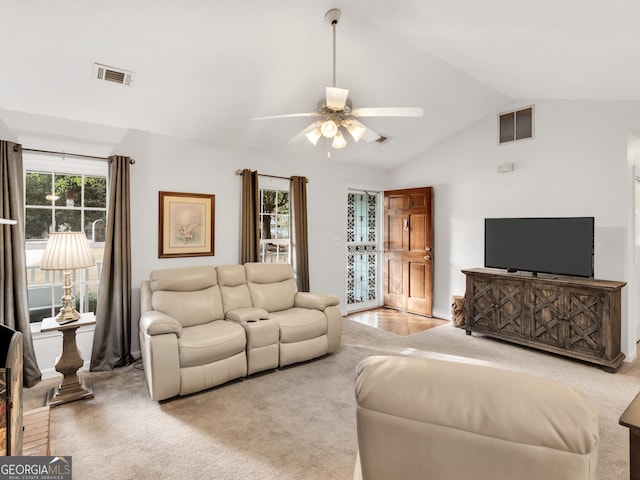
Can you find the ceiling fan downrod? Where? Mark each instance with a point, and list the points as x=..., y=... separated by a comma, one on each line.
x=333, y=17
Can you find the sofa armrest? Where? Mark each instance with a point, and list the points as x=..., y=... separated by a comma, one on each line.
x=247, y=314
x=145, y=296
x=317, y=301
x=158, y=323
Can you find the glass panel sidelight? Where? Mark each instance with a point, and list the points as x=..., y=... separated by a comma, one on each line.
x=362, y=250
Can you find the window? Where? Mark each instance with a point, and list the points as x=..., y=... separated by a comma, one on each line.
x=516, y=125
x=63, y=195
x=274, y=220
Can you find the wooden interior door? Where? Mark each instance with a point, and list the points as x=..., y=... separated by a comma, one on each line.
x=408, y=250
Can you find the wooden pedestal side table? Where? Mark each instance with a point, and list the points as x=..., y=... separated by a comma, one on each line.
x=631, y=419
x=71, y=387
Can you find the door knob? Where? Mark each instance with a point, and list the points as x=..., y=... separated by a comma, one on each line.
x=428, y=249
x=427, y=257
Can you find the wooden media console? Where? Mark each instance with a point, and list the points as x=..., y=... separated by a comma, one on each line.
x=571, y=316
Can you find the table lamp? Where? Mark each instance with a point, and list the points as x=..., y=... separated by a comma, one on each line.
x=67, y=251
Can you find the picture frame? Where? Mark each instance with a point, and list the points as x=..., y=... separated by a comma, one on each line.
x=186, y=224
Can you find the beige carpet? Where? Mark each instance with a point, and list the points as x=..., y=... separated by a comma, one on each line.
x=293, y=423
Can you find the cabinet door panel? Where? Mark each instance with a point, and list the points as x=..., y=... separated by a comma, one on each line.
x=547, y=306
x=584, y=326
x=482, y=302
x=509, y=300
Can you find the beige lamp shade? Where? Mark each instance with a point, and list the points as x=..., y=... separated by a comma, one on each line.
x=67, y=251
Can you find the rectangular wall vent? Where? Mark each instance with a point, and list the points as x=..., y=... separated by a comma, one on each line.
x=114, y=75
x=515, y=125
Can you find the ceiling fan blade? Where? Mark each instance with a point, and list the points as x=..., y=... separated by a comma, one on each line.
x=336, y=98
x=370, y=136
x=388, y=112
x=303, y=133
x=288, y=115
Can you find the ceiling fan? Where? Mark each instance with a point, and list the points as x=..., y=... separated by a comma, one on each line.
x=336, y=113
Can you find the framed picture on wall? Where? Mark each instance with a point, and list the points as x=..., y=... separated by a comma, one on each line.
x=186, y=224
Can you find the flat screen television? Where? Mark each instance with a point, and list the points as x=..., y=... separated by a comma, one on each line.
x=562, y=246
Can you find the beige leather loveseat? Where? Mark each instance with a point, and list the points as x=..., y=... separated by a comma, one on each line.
x=204, y=326
x=419, y=418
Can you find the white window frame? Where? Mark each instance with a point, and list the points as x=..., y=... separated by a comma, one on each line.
x=55, y=280
x=281, y=244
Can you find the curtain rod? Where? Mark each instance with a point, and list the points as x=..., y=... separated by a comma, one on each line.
x=239, y=172
x=65, y=154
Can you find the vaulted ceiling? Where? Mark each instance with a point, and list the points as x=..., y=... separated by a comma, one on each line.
x=204, y=68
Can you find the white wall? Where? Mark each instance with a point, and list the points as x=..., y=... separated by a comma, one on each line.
x=634, y=235
x=577, y=165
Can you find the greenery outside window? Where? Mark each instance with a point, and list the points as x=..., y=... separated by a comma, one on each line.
x=63, y=195
x=275, y=243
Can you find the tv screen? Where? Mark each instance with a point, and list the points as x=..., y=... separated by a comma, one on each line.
x=562, y=246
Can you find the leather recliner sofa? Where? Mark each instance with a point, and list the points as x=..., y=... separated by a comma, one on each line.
x=421, y=418
x=203, y=326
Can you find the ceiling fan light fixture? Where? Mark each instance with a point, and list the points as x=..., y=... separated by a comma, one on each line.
x=335, y=113
x=355, y=129
x=314, y=135
x=329, y=128
x=338, y=141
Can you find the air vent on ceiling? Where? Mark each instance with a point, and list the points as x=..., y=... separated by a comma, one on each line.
x=114, y=75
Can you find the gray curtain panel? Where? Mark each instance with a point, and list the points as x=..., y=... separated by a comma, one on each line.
x=250, y=242
x=14, y=302
x=300, y=239
x=112, y=338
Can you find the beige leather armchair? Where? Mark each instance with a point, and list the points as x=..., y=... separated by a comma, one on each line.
x=186, y=343
x=419, y=418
